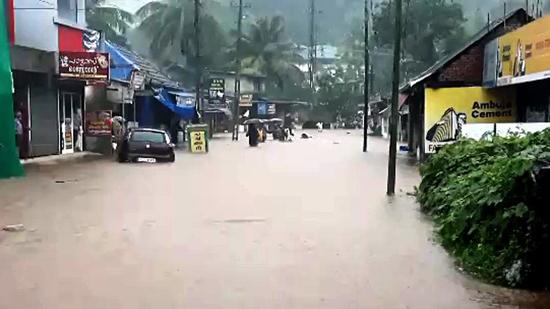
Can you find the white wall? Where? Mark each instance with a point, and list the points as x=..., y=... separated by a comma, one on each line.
x=34, y=26
x=476, y=131
x=82, y=13
x=246, y=85
x=34, y=23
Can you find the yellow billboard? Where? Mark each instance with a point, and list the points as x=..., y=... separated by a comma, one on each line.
x=524, y=54
x=447, y=110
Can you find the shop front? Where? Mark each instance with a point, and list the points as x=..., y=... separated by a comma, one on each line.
x=83, y=77
x=35, y=100
x=70, y=120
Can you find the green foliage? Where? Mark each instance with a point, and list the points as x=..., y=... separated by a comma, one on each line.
x=113, y=22
x=339, y=92
x=333, y=17
x=490, y=206
x=431, y=28
x=266, y=50
x=169, y=24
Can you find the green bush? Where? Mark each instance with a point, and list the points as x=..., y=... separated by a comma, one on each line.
x=490, y=201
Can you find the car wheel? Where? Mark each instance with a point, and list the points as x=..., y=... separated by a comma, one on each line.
x=172, y=158
x=122, y=158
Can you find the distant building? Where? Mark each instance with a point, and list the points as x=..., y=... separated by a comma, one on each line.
x=327, y=56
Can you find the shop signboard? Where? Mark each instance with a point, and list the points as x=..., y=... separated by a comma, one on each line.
x=447, y=110
x=216, y=90
x=490, y=64
x=245, y=100
x=99, y=123
x=198, y=141
x=519, y=56
x=271, y=109
x=262, y=108
x=84, y=65
x=138, y=80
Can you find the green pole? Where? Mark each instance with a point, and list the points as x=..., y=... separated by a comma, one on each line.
x=9, y=159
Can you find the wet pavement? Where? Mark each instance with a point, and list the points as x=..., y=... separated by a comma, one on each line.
x=285, y=225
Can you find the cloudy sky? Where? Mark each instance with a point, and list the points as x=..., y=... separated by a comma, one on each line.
x=128, y=5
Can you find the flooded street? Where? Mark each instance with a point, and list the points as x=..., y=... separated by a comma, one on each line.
x=285, y=225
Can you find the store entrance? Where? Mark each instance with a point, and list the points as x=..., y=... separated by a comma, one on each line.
x=70, y=117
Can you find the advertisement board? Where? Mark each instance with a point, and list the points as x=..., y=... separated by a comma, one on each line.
x=245, y=100
x=198, y=141
x=490, y=64
x=522, y=55
x=216, y=90
x=99, y=123
x=84, y=65
x=447, y=110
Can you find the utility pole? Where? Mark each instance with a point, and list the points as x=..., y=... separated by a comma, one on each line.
x=395, y=99
x=367, y=77
x=237, y=99
x=312, y=51
x=198, y=68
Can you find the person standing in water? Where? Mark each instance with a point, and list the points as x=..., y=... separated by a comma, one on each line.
x=18, y=131
x=289, y=123
x=252, y=135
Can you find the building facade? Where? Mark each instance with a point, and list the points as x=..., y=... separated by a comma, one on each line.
x=48, y=36
x=461, y=70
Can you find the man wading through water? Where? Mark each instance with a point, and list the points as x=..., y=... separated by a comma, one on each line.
x=289, y=123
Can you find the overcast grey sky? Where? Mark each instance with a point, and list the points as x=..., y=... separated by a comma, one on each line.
x=128, y=5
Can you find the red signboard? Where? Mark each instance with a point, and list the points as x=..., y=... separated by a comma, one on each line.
x=10, y=18
x=84, y=65
x=70, y=39
x=99, y=123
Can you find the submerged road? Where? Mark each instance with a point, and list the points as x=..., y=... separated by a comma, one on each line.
x=286, y=225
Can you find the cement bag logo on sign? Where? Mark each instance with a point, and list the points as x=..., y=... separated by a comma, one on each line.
x=447, y=110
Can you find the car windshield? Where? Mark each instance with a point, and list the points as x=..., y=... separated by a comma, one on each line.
x=148, y=136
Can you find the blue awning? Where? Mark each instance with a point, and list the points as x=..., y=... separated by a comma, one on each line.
x=121, y=66
x=184, y=111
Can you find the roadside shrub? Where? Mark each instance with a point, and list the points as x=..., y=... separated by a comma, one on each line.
x=490, y=201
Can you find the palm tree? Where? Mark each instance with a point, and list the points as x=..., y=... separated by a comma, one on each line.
x=264, y=49
x=113, y=22
x=169, y=24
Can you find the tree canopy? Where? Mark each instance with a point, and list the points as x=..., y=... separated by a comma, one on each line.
x=112, y=21
x=266, y=50
x=431, y=28
x=169, y=26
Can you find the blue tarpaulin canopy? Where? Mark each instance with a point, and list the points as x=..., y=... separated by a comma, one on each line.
x=184, y=111
x=121, y=65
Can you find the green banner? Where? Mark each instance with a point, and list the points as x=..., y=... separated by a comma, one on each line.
x=9, y=158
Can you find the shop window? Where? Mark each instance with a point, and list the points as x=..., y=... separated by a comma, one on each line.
x=67, y=10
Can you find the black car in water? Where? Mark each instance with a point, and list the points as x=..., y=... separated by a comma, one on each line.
x=146, y=145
